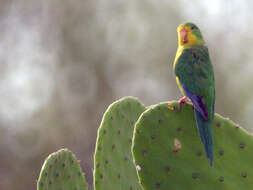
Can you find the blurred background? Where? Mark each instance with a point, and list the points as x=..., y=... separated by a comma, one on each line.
x=63, y=62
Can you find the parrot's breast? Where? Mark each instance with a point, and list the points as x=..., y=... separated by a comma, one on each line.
x=179, y=52
x=180, y=86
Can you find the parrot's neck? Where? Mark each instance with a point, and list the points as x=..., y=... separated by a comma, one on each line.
x=190, y=45
x=179, y=52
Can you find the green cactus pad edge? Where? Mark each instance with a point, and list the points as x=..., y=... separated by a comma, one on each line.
x=168, y=152
x=113, y=162
x=61, y=171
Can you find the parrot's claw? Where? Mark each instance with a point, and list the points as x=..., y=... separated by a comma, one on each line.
x=181, y=101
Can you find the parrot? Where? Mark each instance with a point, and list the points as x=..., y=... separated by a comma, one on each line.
x=195, y=78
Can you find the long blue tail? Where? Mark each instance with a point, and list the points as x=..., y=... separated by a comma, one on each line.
x=205, y=132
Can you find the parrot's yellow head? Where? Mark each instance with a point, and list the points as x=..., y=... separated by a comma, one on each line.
x=189, y=35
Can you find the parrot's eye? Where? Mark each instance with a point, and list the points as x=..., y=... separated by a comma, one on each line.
x=193, y=27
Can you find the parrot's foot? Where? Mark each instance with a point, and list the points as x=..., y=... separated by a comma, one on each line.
x=181, y=101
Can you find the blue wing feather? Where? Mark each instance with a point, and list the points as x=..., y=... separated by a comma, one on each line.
x=203, y=123
x=197, y=102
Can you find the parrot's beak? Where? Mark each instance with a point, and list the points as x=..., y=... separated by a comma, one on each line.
x=183, y=35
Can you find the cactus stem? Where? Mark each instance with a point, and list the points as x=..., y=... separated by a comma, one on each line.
x=218, y=124
x=167, y=169
x=244, y=174
x=157, y=185
x=144, y=153
x=221, y=153
x=221, y=179
x=199, y=153
x=116, y=157
x=242, y=145
x=195, y=175
x=138, y=167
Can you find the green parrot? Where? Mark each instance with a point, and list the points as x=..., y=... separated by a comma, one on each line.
x=195, y=78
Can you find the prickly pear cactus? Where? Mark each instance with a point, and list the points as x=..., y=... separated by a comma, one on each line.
x=113, y=163
x=61, y=171
x=168, y=152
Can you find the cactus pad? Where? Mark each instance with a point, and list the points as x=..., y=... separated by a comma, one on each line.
x=168, y=152
x=61, y=171
x=113, y=163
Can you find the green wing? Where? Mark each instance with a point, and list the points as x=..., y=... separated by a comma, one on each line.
x=195, y=73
